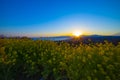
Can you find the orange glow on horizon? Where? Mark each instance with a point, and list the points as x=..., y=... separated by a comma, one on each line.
x=71, y=33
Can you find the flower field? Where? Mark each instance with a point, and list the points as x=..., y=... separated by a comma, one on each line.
x=24, y=59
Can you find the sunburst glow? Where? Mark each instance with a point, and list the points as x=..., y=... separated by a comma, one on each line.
x=77, y=33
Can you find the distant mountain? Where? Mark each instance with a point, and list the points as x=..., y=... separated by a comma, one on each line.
x=117, y=34
x=2, y=36
x=95, y=35
x=89, y=36
x=97, y=39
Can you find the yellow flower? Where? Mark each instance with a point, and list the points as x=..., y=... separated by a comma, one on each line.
x=49, y=61
x=89, y=78
x=84, y=59
x=54, y=69
x=107, y=78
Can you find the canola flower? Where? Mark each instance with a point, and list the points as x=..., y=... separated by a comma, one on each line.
x=49, y=60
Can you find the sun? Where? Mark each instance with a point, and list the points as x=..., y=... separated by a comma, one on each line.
x=77, y=33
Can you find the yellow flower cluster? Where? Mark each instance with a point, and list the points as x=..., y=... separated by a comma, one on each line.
x=50, y=60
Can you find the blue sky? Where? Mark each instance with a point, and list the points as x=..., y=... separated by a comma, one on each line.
x=59, y=17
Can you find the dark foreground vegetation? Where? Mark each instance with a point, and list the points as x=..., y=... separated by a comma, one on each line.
x=25, y=59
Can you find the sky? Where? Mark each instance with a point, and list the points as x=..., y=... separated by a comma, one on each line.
x=36, y=18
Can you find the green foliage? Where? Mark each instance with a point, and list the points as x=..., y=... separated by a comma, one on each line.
x=24, y=59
